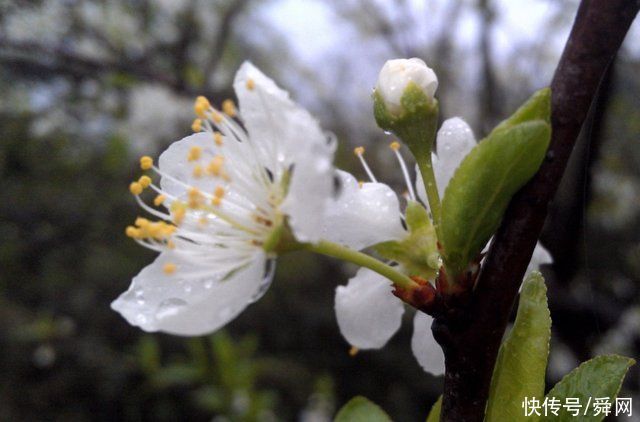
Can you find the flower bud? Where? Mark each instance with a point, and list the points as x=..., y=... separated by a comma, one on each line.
x=403, y=104
x=395, y=77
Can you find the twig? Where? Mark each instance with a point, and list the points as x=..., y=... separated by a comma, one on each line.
x=471, y=337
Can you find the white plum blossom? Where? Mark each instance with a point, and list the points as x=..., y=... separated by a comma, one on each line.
x=368, y=313
x=396, y=75
x=224, y=193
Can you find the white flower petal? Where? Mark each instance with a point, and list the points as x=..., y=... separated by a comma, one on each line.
x=174, y=162
x=425, y=348
x=540, y=257
x=454, y=141
x=368, y=313
x=193, y=300
x=290, y=140
x=362, y=216
x=310, y=193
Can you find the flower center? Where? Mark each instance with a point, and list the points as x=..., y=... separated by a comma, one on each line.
x=230, y=198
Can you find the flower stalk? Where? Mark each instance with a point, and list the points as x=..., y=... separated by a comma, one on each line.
x=344, y=253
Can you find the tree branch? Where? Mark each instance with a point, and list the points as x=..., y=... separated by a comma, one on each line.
x=41, y=60
x=223, y=34
x=470, y=337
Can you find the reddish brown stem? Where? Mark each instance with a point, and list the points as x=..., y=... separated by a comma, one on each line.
x=471, y=337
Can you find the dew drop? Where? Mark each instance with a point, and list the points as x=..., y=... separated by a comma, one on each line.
x=169, y=307
x=139, y=296
x=269, y=270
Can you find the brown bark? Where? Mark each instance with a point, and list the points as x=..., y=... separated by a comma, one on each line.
x=470, y=337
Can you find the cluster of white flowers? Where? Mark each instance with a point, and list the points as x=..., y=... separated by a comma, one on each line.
x=254, y=180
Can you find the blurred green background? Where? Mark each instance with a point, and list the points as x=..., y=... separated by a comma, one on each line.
x=88, y=86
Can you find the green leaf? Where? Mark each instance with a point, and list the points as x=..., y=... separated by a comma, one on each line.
x=418, y=252
x=599, y=377
x=538, y=107
x=434, y=414
x=482, y=187
x=522, y=359
x=360, y=409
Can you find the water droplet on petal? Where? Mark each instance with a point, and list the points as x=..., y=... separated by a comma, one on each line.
x=169, y=307
x=269, y=271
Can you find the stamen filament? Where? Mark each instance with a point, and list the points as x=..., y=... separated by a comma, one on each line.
x=395, y=147
x=359, y=151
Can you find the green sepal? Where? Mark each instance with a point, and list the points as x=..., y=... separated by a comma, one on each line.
x=434, y=414
x=418, y=252
x=601, y=376
x=416, y=216
x=415, y=125
x=482, y=186
x=281, y=239
x=361, y=409
x=522, y=360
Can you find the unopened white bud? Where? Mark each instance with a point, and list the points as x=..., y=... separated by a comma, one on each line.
x=397, y=74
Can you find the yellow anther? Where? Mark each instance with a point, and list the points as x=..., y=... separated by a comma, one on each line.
x=146, y=162
x=178, y=215
x=135, y=188
x=141, y=222
x=197, y=171
x=215, y=166
x=169, y=228
x=353, y=351
x=145, y=181
x=201, y=99
x=195, y=198
x=155, y=230
x=219, y=192
x=216, y=117
x=196, y=126
x=360, y=184
x=229, y=108
x=358, y=150
x=194, y=192
x=250, y=84
x=132, y=232
x=217, y=137
x=159, y=200
x=169, y=268
x=194, y=153
x=201, y=106
x=216, y=201
x=395, y=145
